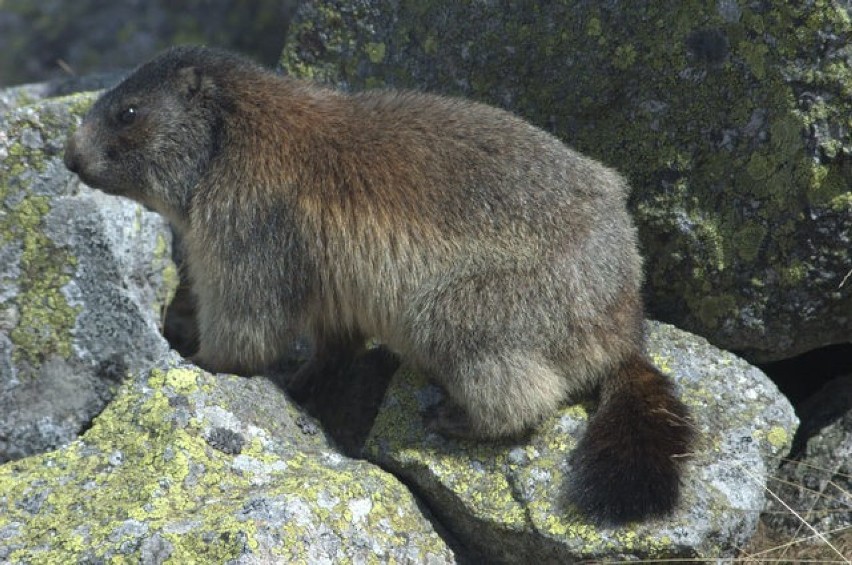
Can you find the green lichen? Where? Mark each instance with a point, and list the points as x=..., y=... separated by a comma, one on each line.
x=171, y=277
x=778, y=438
x=794, y=274
x=430, y=45
x=139, y=462
x=375, y=52
x=754, y=55
x=662, y=362
x=625, y=56
x=750, y=237
x=713, y=309
x=594, y=27
x=79, y=104
x=656, y=548
x=45, y=316
x=842, y=202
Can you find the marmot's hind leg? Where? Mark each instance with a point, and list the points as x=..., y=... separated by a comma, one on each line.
x=483, y=337
x=502, y=395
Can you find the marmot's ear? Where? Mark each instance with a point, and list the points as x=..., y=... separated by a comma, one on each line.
x=192, y=81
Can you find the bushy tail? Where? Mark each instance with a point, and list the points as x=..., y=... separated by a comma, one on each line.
x=627, y=465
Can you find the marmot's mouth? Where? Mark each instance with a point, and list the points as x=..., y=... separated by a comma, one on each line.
x=95, y=182
x=99, y=183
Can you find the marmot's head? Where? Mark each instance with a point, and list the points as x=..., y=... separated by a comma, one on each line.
x=153, y=135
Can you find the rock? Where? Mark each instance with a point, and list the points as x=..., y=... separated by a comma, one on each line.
x=84, y=278
x=193, y=468
x=817, y=485
x=505, y=503
x=48, y=39
x=730, y=119
x=26, y=94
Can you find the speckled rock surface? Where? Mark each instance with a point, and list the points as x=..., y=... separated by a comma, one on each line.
x=83, y=280
x=505, y=501
x=186, y=467
x=730, y=118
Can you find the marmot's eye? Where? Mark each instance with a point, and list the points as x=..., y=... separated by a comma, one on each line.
x=127, y=115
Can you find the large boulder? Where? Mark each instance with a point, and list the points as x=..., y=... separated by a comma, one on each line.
x=187, y=467
x=84, y=279
x=731, y=120
x=505, y=502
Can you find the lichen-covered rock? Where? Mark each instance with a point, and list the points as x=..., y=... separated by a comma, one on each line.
x=731, y=119
x=193, y=468
x=84, y=278
x=506, y=503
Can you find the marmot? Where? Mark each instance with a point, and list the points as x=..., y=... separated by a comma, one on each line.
x=481, y=249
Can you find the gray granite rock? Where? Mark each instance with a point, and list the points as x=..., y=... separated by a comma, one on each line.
x=187, y=467
x=505, y=501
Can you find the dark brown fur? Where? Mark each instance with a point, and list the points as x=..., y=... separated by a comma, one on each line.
x=478, y=247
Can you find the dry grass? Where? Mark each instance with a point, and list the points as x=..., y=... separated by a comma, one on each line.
x=771, y=547
x=808, y=544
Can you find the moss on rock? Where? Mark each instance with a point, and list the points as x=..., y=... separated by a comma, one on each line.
x=149, y=470
x=46, y=316
x=80, y=286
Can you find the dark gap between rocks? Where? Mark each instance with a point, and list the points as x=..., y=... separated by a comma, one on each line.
x=802, y=376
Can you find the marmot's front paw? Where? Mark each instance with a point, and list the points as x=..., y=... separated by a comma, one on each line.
x=302, y=384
